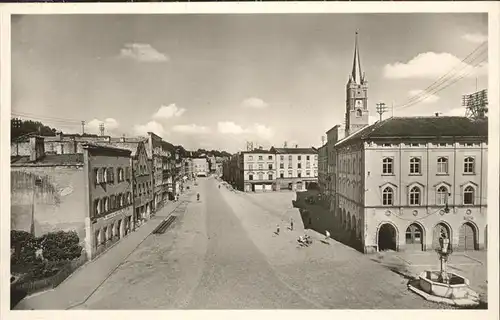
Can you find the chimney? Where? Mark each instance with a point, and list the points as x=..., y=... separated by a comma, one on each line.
x=59, y=135
x=37, y=148
x=296, y=146
x=437, y=114
x=122, y=139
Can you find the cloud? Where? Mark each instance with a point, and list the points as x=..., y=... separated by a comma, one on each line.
x=254, y=103
x=110, y=125
x=190, y=129
x=431, y=65
x=262, y=131
x=475, y=37
x=259, y=130
x=142, y=52
x=170, y=111
x=429, y=98
x=151, y=126
x=229, y=127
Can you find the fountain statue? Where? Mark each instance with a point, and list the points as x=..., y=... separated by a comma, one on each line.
x=443, y=286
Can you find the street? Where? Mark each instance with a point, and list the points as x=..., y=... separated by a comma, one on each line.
x=222, y=253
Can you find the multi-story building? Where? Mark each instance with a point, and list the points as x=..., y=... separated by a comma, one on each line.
x=88, y=192
x=231, y=172
x=163, y=160
x=257, y=170
x=404, y=181
x=323, y=169
x=400, y=183
x=188, y=170
x=142, y=184
x=201, y=167
x=295, y=167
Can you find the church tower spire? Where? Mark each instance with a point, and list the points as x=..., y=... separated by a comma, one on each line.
x=356, y=116
x=356, y=75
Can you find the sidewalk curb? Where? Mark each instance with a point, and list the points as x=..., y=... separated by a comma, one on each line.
x=84, y=299
x=175, y=206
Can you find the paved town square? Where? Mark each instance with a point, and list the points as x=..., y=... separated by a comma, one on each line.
x=223, y=253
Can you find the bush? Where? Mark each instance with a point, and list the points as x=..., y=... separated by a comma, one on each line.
x=25, y=246
x=45, y=269
x=61, y=246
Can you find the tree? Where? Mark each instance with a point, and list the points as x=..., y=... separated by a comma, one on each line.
x=20, y=127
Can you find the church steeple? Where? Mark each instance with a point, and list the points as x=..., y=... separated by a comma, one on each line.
x=357, y=76
x=357, y=114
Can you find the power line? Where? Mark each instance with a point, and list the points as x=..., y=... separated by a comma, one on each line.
x=434, y=87
x=440, y=89
x=39, y=117
x=464, y=63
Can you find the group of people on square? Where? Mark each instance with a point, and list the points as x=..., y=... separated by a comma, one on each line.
x=304, y=240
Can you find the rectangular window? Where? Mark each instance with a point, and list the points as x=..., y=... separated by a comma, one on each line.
x=290, y=173
x=270, y=166
x=289, y=165
x=469, y=165
x=414, y=165
x=299, y=158
x=299, y=174
x=282, y=175
x=270, y=177
x=290, y=158
x=249, y=158
x=250, y=177
x=442, y=165
x=282, y=166
x=308, y=164
x=308, y=173
x=282, y=158
x=307, y=157
x=260, y=166
x=261, y=177
x=260, y=157
x=270, y=158
x=250, y=166
x=299, y=165
x=387, y=166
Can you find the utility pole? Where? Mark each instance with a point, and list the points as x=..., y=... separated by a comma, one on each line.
x=83, y=127
x=101, y=128
x=381, y=108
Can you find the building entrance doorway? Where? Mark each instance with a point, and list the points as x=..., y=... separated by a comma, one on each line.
x=467, y=237
x=414, y=236
x=386, y=238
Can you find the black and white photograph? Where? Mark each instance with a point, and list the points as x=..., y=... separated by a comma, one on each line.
x=263, y=160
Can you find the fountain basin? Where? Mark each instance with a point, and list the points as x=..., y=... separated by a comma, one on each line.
x=458, y=287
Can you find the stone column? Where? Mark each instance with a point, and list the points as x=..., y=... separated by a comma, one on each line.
x=122, y=228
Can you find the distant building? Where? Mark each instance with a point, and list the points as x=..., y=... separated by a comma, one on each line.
x=89, y=192
x=257, y=170
x=295, y=167
x=201, y=167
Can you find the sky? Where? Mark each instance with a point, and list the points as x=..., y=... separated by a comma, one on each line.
x=217, y=81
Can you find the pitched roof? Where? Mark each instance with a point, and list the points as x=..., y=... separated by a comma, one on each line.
x=421, y=127
x=50, y=159
x=295, y=150
x=257, y=151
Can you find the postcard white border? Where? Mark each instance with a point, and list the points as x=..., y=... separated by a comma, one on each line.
x=253, y=8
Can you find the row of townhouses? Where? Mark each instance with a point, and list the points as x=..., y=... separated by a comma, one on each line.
x=400, y=183
x=100, y=186
x=272, y=170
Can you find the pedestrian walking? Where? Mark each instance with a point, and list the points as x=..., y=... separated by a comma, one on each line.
x=278, y=229
x=327, y=235
x=291, y=224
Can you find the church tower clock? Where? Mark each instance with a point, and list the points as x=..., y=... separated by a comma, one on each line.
x=356, y=116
